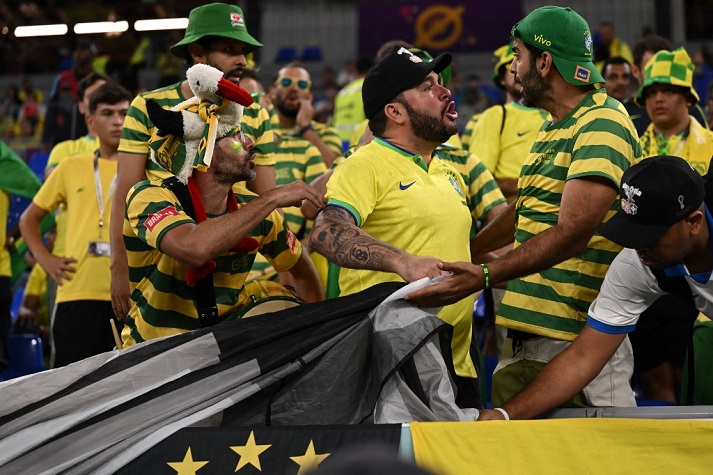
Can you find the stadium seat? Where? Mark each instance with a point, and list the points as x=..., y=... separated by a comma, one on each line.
x=16, y=304
x=26, y=356
x=312, y=53
x=286, y=54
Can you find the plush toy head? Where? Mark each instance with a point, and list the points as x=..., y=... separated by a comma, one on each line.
x=186, y=135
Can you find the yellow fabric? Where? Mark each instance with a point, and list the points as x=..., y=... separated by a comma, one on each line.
x=395, y=199
x=503, y=147
x=68, y=148
x=558, y=446
x=5, y=270
x=349, y=109
x=696, y=147
x=72, y=183
x=36, y=285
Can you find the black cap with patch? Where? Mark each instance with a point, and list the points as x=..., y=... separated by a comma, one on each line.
x=397, y=71
x=655, y=193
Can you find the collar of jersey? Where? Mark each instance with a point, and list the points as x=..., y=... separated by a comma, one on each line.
x=680, y=270
x=416, y=158
x=564, y=121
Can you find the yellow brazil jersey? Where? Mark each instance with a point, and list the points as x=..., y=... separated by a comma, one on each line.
x=694, y=145
x=72, y=183
x=163, y=304
x=397, y=199
x=503, y=137
x=68, y=148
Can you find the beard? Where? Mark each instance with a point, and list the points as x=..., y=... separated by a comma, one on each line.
x=281, y=106
x=429, y=128
x=534, y=89
x=233, y=167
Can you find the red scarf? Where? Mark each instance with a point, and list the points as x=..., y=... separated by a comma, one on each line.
x=247, y=244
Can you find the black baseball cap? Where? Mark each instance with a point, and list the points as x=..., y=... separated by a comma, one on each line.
x=655, y=194
x=397, y=71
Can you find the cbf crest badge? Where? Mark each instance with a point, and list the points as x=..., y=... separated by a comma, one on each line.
x=455, y=185
x=627, y=204
x=588, y=42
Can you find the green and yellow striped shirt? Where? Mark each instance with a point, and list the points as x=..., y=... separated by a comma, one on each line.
x=596, y=139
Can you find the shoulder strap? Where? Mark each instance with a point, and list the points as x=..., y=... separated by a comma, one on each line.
x=502, y=124
x=203, y=291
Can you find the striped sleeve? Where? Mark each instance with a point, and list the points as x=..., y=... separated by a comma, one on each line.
x=256, y=124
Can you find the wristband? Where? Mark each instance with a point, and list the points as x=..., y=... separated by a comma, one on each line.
x=486, y=275
x=305, y=129
x=503, y=412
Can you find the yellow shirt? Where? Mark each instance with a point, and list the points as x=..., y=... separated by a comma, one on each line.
x=397, y=199
x=72, y=183
x=5, y=270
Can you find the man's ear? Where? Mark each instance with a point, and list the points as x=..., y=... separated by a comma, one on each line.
x=197, y=52
x=544, y=64
x=395, y=112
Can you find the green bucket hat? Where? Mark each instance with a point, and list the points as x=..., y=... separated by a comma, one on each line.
x=669, y=67
x=215, y=19
x=504, y=55
x=564, y=34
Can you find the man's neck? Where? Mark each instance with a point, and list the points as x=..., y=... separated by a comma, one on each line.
x=670, y=130
x=563, y=99
x=108, y=152
x=416, y=146
x=214, y=195
x=701, y=257
x=286, y=122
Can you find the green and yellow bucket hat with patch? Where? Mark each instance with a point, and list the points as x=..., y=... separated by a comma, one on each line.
x=669, y=67
x=504, y=56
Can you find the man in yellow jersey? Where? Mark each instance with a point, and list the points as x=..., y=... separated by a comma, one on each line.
x=567, y=187
x=504, y=134
x=191, y=240
x=85, y=184
x=394, y=201
x=69, y=148
x=216, y=35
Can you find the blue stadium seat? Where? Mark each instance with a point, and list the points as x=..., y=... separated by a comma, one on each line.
x=16, y=304
x=286, y=54
x=312, y=53
x=26, y=356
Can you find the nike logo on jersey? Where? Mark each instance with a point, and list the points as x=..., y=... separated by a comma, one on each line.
x=80, y=189
x=520, y=134
x=406, y=186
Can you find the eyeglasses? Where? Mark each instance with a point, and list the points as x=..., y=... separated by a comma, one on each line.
x=286, y=82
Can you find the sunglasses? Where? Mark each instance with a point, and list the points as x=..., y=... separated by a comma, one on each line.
x=302, y=84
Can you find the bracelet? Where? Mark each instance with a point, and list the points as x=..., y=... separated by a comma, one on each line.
x=305, y=129
x=503, y=412
x=486, y=275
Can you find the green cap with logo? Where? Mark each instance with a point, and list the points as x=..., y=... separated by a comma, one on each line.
x=215, y=19
x=669, y=67
x=564, y=34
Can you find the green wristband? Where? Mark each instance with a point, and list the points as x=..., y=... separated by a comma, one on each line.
x=486, y=275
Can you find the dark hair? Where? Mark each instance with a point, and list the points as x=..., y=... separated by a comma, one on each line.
x=653, y=43
x=377, y=123
x=364, y=64
x=291, y=64
x=390, y=45
x=614, y=60
x=88, y=80
x=110, y=93
x=535, y=53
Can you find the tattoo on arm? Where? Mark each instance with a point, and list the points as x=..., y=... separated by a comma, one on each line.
x=336, y=237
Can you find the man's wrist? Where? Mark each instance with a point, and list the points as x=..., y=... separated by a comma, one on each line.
x=304, y=129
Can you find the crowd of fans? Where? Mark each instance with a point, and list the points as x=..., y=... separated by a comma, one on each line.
x=306, y=124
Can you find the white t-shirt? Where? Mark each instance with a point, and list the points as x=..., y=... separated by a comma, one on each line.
x=630, y=287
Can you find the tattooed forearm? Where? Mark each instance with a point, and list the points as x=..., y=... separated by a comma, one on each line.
x=336, y=237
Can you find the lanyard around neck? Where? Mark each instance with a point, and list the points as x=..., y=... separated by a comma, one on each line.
x=100, y=194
